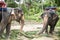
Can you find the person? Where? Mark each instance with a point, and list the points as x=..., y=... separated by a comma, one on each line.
x=3, y=5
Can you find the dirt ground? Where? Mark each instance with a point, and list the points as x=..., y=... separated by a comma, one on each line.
x=31, y=26
x=28, y=26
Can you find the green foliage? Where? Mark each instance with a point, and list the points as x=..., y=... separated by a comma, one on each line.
x=33, y=11
x=58, y=24
x=57, y=2
x=12, y=4
x=58, y=12
x=5, y=0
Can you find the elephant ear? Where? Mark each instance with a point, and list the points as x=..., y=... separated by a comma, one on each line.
x=42, y=15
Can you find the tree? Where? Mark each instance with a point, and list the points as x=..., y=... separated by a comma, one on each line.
x=12, y=4
x=57, y=2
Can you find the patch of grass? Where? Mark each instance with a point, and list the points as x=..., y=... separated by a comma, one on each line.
x=15, y=33
x=58, y=24
x=46, y=35
x=31, y=32
x=57, y=33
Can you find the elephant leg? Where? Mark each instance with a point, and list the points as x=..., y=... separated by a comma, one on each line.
x=8, y=30
x=1, y=32
x=2, y=27
x=53, y=26
x=46, y=31
x=55, y=23
x=22, y=23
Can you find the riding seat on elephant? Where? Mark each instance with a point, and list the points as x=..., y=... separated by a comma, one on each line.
x=50, y=18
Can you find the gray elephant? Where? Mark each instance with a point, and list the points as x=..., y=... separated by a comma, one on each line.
x=7, y=16
x=4, y=21
x=50, y=18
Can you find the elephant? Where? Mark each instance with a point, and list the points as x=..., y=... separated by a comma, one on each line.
x=6, y=17
x=50, y=18
x=4, y=24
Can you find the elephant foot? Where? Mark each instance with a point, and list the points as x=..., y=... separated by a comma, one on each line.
x=46, y=32
x=51, y=33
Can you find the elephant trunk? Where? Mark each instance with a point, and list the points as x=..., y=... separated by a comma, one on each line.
x=45, y=23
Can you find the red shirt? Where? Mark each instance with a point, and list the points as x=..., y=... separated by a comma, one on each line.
x=2, y=4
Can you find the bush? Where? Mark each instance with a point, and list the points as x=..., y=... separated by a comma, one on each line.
x=12, y=4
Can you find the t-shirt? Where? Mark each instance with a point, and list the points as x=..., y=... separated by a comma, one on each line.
x=3, y=4
x=1, y=0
